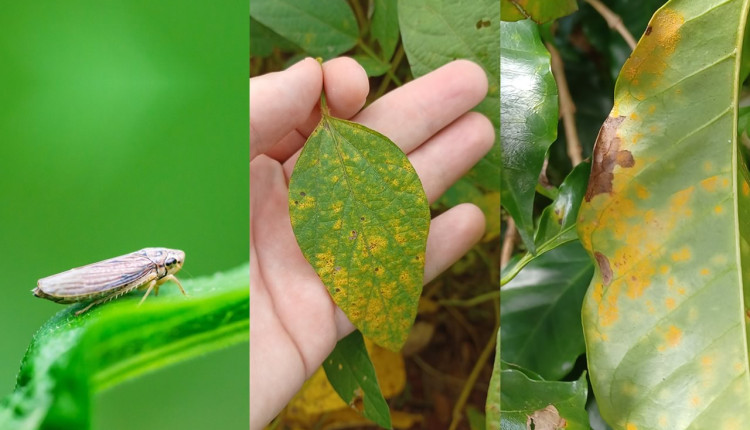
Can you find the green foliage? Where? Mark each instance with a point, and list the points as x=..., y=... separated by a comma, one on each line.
x=528, y=400
x=529, y=112
x=540, y=312
x=471, y=30
x=352, y=375
x=71, y=358
x=541, y=11
x=361, y=218
x=321, y=31
x=492, y=408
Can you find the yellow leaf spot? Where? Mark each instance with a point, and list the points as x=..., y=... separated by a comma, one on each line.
x=664, y=269
x=659, y=42
x=674, y=335
x=631, y=426
x=652, y=109
x=337, y=224
x=641, y=192
x=708, y=167
x=745, y=189
x=695, y=400
x=709, y=184
x=707, y=361
x=718, y=209
x=670, y=303
x=634, y=116
x=680, y=199
x=705, y=272
x=681, y=255
x=404, y=277
x=681, y=291
x=670, y=281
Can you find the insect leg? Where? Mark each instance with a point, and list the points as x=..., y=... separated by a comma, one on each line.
x=95, y=302
x=171, y=278
x=148, y=291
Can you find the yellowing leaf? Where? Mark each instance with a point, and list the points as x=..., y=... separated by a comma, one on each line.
x=361, y=218
x=665, y=219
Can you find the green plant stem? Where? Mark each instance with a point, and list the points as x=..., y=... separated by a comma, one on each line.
x=489, y=348
x=374, y=56
x=397, y=57
x=528, y=257
x=549, y=192
x=364, y=23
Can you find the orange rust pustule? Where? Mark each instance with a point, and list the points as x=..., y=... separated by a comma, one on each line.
x=604, y=267
x=607, y=154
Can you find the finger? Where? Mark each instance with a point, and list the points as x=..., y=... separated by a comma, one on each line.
x=414, y=112
x=346, y=88
x=281, y=101
x=452, y=234
x=448, y=155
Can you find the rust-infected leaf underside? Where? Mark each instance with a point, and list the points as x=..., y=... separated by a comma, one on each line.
x=361, y=218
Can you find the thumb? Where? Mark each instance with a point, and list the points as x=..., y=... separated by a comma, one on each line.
x=281, y=101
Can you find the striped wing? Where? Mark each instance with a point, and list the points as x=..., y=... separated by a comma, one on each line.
x=93, y=279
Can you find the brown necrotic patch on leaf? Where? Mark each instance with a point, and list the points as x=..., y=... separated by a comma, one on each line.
x=604, y=267
x=607, y=154
x=546, y=419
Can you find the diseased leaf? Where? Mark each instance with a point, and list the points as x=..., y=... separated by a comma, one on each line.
x=361, y=218
x=541, y=315
x=526, y=401
x=435, y=32
x=529, y=114
x=321, y=31
x=666, y=221
x=541, y=11
x=385, y=26
x=352, y=375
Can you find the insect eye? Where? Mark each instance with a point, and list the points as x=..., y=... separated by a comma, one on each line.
x=170, y=261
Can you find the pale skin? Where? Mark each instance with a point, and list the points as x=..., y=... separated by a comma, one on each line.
x=294, y=324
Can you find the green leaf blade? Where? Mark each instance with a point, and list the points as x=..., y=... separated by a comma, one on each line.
x=540, y=308
x=529, y=112
x=321, y=31
x=665, y=218
x=436, y=32
x=522, y=397
x=385, y=26
x=73, y=357
x=352, y=374
x=361, y=218
x=541, y=11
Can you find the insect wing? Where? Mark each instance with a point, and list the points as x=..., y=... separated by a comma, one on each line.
x=98, y=277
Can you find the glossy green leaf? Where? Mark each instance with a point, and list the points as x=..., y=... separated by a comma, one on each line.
x=492, y=407
x=385, y=26
x=529, y=115
x=435, y=32
x=361, y=218
x=321, y=29
x=666, y=219
x=541, y=328
x=557, y=224
x=351, y=373
x=73, y=357
x=526, y=401
x=540, y=11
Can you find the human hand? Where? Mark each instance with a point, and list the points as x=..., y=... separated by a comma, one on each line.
x=294, y=323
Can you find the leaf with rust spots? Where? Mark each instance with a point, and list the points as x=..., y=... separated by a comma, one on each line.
x=607, y=155
x=667, y=222
x=361, y=218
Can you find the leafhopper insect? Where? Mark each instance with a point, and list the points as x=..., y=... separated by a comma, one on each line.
x=110, y=279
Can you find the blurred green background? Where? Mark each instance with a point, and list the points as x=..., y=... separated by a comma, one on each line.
x=123, y=124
